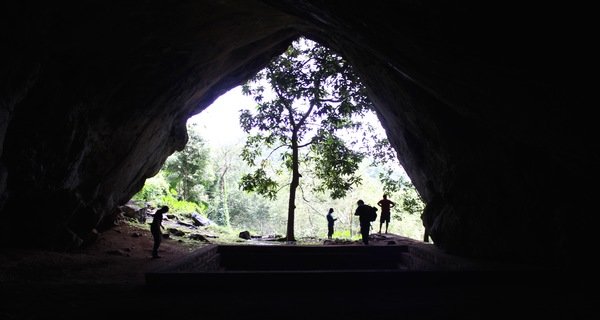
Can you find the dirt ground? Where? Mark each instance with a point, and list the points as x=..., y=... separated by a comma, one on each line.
x=120, y=255
x=106, y=281
x=102, y=281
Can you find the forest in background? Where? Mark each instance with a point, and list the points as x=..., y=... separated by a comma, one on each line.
x=309, y=146
x=205, y=179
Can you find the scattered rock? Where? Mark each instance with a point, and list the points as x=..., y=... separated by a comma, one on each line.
x=130, y=210
x=200, y=220
x=245, y=235
x=186, y=224
x=197, y=236
x=176, y=232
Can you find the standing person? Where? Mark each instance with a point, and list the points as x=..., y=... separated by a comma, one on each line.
x=385, y=204
x=432, y=209
x=330, y=221
x=362, y=211
x=155, y=227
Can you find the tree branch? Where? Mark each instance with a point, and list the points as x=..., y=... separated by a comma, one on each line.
x=283, y=186
x=313, y=140
x=309, y=111
x=272, y=151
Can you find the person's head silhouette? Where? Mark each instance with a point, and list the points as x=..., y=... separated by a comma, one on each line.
x=162, y=209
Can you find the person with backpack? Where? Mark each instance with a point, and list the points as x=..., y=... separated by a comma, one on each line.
x=330, y=222
x=385, y=204
x=365, y=216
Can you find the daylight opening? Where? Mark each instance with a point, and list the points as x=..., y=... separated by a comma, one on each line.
x=268, y=161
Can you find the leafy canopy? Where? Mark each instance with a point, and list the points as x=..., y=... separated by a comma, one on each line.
x=308, y=98
x=187, y=170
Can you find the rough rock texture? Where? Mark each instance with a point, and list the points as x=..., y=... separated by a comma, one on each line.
x=477, y=100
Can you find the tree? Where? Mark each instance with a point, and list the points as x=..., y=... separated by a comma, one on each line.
x=316, y=98
x=224, y=161
x=154, y=188
x=186, y=169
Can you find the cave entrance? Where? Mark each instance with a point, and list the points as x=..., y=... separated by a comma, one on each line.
x=203, y=180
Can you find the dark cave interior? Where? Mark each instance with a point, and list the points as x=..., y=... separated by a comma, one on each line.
x=482, y=103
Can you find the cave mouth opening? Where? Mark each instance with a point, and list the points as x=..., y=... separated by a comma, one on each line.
x=204, y=178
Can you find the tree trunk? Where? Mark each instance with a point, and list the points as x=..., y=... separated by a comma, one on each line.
x=293, y=186
x=184, y=185
x=224, y=200
x=351, y=221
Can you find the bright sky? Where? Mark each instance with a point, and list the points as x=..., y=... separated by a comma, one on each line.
x=219, y=123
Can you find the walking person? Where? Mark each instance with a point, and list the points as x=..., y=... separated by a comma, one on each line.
x=385, y=204
x=330, y=222
x=155, y=227
x=362, y=211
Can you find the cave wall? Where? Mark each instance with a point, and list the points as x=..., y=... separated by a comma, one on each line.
x=475, y=99
x=97, y=95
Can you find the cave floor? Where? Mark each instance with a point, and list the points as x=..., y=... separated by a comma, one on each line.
x=361, y=300
x=107, y=281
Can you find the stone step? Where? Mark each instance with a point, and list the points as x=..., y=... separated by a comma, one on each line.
x=310, y=258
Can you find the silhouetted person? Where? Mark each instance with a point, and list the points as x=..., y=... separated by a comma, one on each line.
x=155, y=227
x=433, y=208
x=330, y=222
x=362, y=211
x=385, y=204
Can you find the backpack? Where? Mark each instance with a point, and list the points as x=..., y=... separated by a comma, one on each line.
x=372, y=213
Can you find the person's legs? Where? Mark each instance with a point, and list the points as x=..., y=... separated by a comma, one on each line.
x=385, y=217
x=380, y=223
x=157, y=239
x=364, y=230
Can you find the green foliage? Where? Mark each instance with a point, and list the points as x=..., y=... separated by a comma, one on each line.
x=390, y=184
x=308, y=97
x=154, y=189
x=268, y=217
x=411, y=201
x=179, y=184
x=225, y=235
x=319, y=105
x=186, y=170
x=315, y=94
x=399, y=186
x=253, y=213
x=259, y=182
x=335, y=165
x=181, y=206
x=345, y=234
